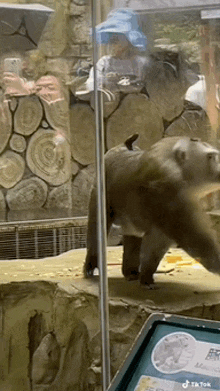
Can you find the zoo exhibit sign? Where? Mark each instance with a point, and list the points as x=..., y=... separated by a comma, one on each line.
x=172, y=353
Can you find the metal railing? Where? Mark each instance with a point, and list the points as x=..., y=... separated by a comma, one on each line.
x=41, y=238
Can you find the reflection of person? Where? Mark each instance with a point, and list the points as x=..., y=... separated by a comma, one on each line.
x=124, y=67
x=14, y=85
x=49, y=89
x=33, y=66
x=197, y=93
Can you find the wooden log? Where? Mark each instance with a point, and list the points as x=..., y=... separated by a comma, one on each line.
x=37, y=214
x=81, y=187
x=75, y=168
x=28, y=194
x=44, y=124
x=17, y=143
x=13, y=103
x=57, y=114
x=12, y=168
x=55, y=35
x=192, y=123
x=5, y=124
x=82, y=129
x=136, y=114
x=108, y=106
x=49, y=157
x=2, y=202
x=167, y=83
x=60, y=197
x=28, y=115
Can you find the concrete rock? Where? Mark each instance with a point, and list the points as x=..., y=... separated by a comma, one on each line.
x=49, y=316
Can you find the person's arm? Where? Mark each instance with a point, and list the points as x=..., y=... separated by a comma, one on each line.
x=17, y=86
x=100, y=66
x=142, y=64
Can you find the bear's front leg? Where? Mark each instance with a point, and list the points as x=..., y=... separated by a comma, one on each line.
x=154, y=246
x=131, y=257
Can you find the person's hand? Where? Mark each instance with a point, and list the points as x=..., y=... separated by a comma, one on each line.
x=15, y=85
x=112, y=76
x=111, y=80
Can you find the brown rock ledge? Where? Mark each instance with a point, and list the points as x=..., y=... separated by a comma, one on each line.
x=49, y=317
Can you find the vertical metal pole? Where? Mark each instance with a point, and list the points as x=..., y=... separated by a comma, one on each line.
x=101, y=214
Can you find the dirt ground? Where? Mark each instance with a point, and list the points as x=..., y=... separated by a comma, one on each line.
x=183, y=283
x=69, y=265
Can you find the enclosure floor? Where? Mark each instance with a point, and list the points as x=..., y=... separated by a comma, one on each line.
x=184, y=284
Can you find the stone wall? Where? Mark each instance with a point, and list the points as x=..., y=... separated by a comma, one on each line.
x=57, y=335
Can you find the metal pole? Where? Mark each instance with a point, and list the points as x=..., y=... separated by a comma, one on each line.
x=101, y=214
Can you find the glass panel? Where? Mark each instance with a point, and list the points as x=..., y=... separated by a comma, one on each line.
x=35, y=155
x=158, y=72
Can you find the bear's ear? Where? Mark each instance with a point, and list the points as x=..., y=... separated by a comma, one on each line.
x=180, y=151
x=130, y=140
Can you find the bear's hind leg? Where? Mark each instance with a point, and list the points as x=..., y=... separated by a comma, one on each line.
x=131, y=257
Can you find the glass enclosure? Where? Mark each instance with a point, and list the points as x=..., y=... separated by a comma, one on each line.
x=156, y=79
x=158, y=71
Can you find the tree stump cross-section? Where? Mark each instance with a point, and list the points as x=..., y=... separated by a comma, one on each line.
x=5, y=125
x=49, y=157
x=136, y=114
x=27, y=194
x=28, y=115
x=12, y=168
x=82, y=126
x=18, y=143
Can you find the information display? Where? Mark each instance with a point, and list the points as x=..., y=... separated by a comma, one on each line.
x=172, y=353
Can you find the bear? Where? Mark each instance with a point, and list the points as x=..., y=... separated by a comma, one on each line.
x=153, y=195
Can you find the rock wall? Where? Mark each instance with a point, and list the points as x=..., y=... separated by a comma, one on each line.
x=50, y=326
x=55, y=330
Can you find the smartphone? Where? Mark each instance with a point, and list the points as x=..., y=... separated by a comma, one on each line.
x=12, y=65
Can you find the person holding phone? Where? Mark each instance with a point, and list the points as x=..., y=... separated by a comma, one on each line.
x=14, y=83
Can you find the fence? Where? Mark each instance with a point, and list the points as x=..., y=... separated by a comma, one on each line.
x=41, y=238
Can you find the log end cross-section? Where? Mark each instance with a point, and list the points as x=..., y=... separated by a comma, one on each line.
x=28, y=194
x=18, y=143
x=136, y=114
x=28, y=115
x=82, y=128
x=5, y=125
x=12, y=168
x=49, y=157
